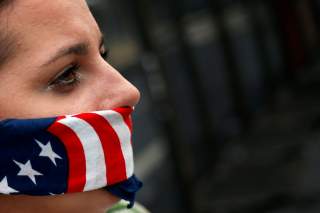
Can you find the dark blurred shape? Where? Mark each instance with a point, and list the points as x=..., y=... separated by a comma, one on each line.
x=229, y=116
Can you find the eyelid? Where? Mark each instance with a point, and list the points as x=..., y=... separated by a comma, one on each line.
x=56, y=77
x=61, y=85
x=59, y=79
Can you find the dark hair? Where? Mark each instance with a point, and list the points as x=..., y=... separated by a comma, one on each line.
x=4, y=3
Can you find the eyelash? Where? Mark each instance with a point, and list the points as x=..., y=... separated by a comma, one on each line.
x=62, y=83
x=105, y=54
x=67, y=79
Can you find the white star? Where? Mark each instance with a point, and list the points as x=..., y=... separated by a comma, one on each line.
x=27, y=170
x=5, y=188
x=46, y=151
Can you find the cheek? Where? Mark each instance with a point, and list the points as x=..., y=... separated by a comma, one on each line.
x=84, y=98
x=14, y=99
x=96, y=92
x=34, y=104
x=23, y=103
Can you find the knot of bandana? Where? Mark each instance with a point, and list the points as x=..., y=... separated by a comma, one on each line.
x=65, y=154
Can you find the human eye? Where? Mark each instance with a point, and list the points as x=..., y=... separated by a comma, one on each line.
x=65, y=80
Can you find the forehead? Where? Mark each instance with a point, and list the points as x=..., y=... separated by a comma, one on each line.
x=43, y=22
x=41, y=11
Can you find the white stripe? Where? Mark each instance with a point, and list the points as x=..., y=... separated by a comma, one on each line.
x=93, y=151
x=124, y=134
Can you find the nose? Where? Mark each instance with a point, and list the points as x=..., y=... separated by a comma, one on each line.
x=116, y=91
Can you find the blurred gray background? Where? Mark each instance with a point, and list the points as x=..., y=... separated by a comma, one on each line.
x=229, y=118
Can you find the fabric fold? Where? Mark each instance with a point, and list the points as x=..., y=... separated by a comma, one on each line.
x=70, y=153
x=126, y=190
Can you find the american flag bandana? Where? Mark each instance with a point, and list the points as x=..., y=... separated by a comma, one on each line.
x=65, y=154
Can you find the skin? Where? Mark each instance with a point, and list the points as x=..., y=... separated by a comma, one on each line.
x=30, y=86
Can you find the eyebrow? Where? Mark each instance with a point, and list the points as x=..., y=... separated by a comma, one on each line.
x=75, y=49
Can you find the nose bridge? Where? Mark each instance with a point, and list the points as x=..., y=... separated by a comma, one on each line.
x=116, y=90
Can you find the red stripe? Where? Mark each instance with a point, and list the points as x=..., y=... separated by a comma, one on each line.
x=75, y=152
x=125, y=112
x=126, y=115
x=115, y=164
x=60, y=118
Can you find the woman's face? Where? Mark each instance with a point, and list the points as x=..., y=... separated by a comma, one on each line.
x=56, y=62
x=54, y=65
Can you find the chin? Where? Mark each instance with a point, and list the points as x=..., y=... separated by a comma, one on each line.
x=97, y=201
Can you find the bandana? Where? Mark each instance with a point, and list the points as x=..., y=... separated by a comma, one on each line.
x=65, y=154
